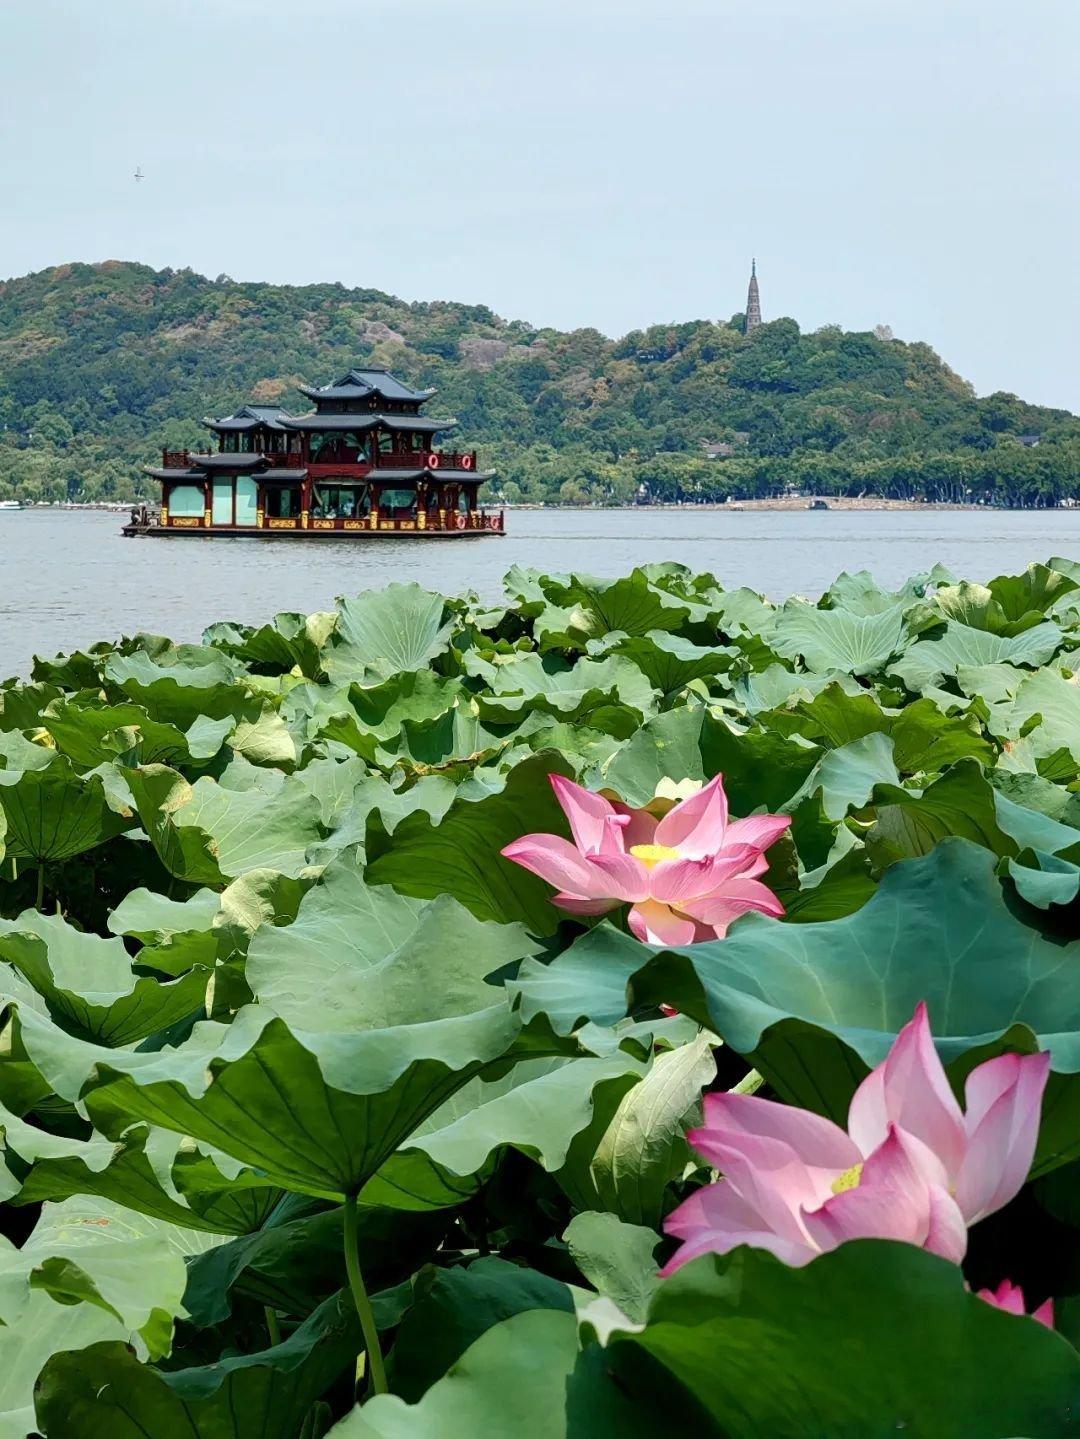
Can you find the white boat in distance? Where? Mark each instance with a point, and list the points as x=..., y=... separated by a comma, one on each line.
x=10, y=504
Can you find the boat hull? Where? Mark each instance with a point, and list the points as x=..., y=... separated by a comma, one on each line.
x=169, y=532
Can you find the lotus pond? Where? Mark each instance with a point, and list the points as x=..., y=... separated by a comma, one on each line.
x=633, y=1008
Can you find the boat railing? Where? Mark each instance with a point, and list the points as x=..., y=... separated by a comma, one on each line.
x=184, y=459
x=427, y=459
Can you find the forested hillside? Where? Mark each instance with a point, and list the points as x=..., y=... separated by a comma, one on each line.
x=103, y=365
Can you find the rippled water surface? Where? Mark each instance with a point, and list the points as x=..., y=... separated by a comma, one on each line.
x=68, y=578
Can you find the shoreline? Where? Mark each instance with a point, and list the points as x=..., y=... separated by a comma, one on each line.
x=788, y=504
x=785, y=504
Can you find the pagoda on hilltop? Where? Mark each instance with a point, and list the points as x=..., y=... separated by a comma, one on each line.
x=753, y=301
x=363, y=462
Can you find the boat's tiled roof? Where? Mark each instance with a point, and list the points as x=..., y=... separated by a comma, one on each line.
x=361, y=382
x=315, y=421
x=248, y=417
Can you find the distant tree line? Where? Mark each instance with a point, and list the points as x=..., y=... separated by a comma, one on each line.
x=102, y=366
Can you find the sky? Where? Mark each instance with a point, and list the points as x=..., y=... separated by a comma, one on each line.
x=607, y=163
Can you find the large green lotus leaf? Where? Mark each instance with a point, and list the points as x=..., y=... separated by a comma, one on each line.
x=777, y=686
x=89, y=1251
x=430, y=794
x=838, y=887
x=844, y=778
x=995, y=683
x=316, y=1111
x=179, y=934
x=539, y=1108
x=1032, y=829
x=579, y=745
x=54, y=813
x=199, y=682
x=744, y=611
x=460, y=1305
x=927, y=741
x=45, y=1328
x=833, y=715
x=207, y=833
x=285, y=642
x=976, y=605
x=1047, y=870
x=633, y=604
x=77, y=671
x=1036, y=794
x=872, y=1338
x=176, y=934
x=644, y=1147
x=838, y=640
x=760, y=769
x=365, y=717
x=860, y=593
x=148, y=1171
x=1018, y=758
x=22, y=705
x=526, y=683
x=292, y=1264
x=354, y=951
x=264, y=739
x=924, y=739
x=929, y=661
x=1045, y=879
x=18, y=752
x=512, y=1380
x=90, y=733
x=667, y=746
x=587, y=983
x=1046, y=707
x=813, y=1005
x=88, y=983
x=527, y=587
x=455, y=735
x=460, y=853
x=104, y=1391
x=333, y=782
x=1039, y=588
x=909, y=822
x=618, y=1260
x=380, y=633
x=669, y=662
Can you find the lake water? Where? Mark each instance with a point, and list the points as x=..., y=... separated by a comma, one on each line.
x=68, y=578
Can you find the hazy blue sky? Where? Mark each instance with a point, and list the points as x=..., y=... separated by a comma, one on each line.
x=574, y=162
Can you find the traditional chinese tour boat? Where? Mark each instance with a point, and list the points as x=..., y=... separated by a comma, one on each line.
x=363, y=463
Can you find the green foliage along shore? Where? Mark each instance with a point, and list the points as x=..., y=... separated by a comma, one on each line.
x=306, y=1090
x=103, y=365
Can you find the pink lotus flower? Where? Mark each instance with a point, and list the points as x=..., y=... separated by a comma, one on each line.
x=912, y=1166
x=687, y=873
x=1010, y=1297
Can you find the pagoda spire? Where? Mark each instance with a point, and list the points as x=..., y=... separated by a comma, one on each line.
x=753, y=300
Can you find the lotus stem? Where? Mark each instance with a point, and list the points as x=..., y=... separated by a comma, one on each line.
x=361, y=1300
x=40, y=902
x=748, y=1084
x=272, y=1326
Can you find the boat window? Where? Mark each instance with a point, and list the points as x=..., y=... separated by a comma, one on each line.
x=339, y=502
x=247, y=501
x=283, y=502
x=223, y=502
x=186, y=500
x=399, y=501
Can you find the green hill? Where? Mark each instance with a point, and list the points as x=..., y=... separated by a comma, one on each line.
x=103, y=365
